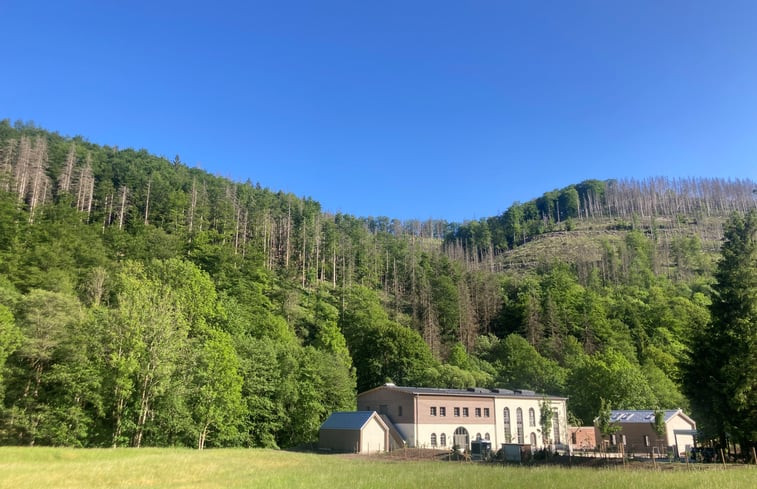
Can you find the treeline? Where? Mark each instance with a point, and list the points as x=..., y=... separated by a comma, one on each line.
x=619, y=203
x=144, y=302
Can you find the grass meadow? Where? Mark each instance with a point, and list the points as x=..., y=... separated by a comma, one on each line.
x=66, y=468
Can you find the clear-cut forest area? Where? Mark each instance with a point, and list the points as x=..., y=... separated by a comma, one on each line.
x=146, y=302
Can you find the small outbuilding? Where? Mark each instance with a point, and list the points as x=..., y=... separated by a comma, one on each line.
x=354, y=432
x=637, y=432
x=583, y=438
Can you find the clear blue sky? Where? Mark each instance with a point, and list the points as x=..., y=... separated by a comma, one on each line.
x=408, y=109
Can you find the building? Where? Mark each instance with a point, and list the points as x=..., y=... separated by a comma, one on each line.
x=443, y=418
x=583, y=437
x=355, y=432
x=637, y=432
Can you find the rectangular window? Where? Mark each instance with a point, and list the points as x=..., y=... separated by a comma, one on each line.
x=486, y=412
x=465, y=412
x=442, y=411
x=433, y=410
x=623, y=438
x=399, y=410
x=646, y=440
x=457, y=412
x=573, y=438
x=478, y=412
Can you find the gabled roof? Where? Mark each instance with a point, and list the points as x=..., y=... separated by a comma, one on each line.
x=644, y=416
x=470, y=392
x=349, y=420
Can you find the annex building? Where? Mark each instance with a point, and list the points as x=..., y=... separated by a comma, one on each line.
x=442, y=418
x=354, y=431
x=637, y=432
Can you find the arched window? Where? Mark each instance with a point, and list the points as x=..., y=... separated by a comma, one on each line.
x=461, y=438
x=443, y=440
x=433, y=439
x=531, y=417
x=533, y=440
x=487, y=437
x=506, y=421
x=478, y=436
x=519, y=420
x=556, y=427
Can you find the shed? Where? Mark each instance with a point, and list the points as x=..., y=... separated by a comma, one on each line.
x=354, y=432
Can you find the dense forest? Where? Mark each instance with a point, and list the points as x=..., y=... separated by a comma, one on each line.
x=145, y=302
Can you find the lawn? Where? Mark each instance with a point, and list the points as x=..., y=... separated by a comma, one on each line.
x=64, y=468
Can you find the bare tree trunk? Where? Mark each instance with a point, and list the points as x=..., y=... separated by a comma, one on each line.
x=147, y=201
x=302, y=253
x=244, y=233
x=192, y=206
x=122, y=212
x=203, y=436
x=39, y=176
x=333, y=267
x=6, y=165
x=23, y=168
x=317, y=237
x=68, y=171
x=288, y=231
x=91, y=192
x=106, y=215
x=236, y=229
x=144, y=408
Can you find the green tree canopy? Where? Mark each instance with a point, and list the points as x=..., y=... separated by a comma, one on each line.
x=721, y=379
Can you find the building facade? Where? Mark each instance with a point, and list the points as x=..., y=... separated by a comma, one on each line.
x=583, y=437
x=638, y=435
x=354, y=432
x=443, y=418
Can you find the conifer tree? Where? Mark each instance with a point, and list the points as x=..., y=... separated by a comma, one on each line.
x=721, y=380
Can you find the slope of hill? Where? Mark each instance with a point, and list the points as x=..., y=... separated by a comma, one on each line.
x=146, y=302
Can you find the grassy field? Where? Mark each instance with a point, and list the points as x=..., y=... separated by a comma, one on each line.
x=63, y=468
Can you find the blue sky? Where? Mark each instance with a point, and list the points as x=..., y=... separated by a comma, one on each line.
x=407, y=109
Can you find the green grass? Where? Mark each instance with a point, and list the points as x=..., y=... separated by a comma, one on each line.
x=64, y=468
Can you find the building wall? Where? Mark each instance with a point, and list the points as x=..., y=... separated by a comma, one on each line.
x=413, y=418
x=685, y=442
x=642, y=438
x=529, y=429
x=339, y=440
x=425, y=431
x=473, y=405
x=398, y=406
x=374, y=438
x=583, y=438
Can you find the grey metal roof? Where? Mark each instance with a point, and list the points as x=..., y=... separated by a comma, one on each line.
x=347, y=420
x=639, y=416
x=470, y=392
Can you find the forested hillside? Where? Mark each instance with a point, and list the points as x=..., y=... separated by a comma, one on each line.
x=145, y=302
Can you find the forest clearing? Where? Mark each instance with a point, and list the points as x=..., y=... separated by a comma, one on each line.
x=67, y=468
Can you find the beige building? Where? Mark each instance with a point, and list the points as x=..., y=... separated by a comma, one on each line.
x=637, y=432
x=442, y=418
x=355, y=432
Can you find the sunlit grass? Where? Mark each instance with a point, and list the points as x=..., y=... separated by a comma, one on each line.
x=62, y=468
